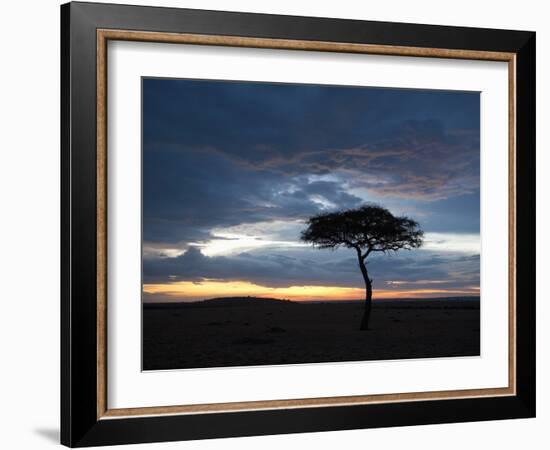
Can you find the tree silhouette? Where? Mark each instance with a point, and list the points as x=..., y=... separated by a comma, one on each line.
x=368, y=229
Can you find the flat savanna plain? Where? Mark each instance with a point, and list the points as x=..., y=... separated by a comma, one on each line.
x=252, y=331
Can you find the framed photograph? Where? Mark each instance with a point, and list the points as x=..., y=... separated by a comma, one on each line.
x=277, y=224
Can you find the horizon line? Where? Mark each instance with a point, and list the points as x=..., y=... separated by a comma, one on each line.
x=309, y=301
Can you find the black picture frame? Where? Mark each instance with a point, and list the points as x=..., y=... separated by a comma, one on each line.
x=80, y=425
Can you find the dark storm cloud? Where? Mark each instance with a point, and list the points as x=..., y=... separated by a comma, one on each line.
x=186, y=193
x=426, y=141
x=418, y=160
x=259, y=121
x=269, y=269
x=198, y=136
x=302, y=267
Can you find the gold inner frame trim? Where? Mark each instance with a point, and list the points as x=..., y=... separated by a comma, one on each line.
x=103, y=36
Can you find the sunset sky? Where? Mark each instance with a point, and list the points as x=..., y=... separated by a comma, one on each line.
x=232, y=169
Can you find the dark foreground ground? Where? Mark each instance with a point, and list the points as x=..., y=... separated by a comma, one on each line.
x=243, y=332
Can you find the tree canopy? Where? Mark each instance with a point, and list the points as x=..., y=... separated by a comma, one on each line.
x=369, y=228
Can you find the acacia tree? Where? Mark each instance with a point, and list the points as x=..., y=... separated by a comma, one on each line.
x=368, y=229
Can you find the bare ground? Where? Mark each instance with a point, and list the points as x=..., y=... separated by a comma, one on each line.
x=243, y=332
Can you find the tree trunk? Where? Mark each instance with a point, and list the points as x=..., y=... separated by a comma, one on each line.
x=368, y=295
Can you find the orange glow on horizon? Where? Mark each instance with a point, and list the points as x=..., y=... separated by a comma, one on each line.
x=201, y=290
